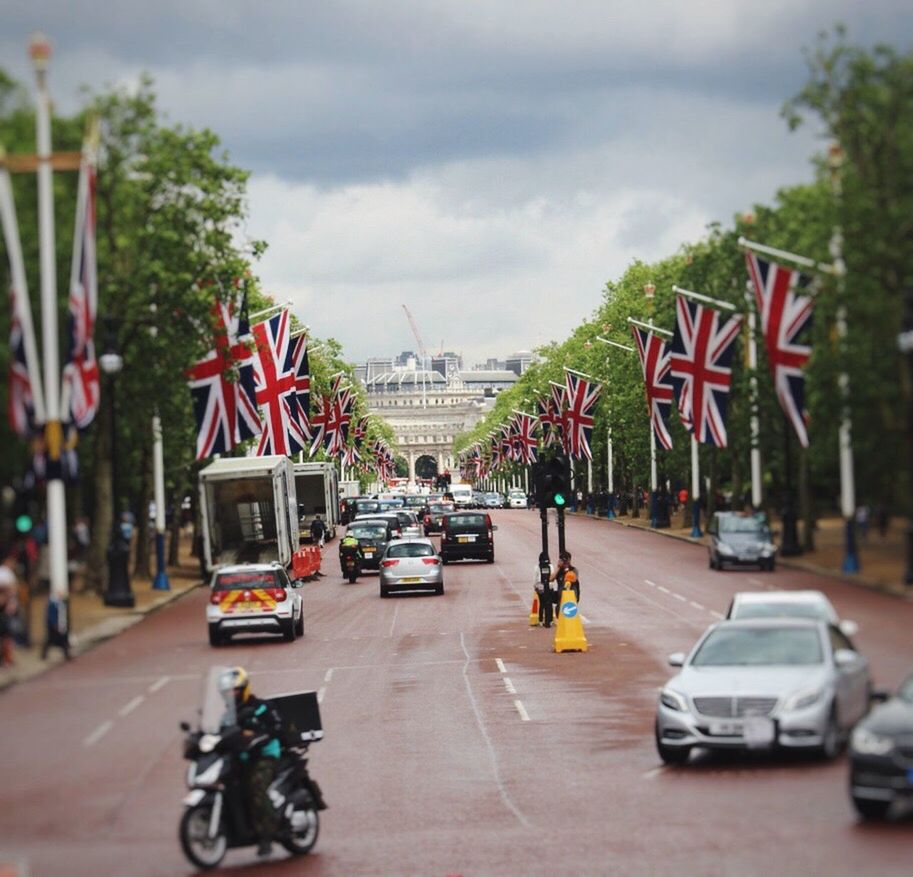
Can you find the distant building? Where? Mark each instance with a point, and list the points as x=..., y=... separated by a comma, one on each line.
x=519, y=362
x=488, y=382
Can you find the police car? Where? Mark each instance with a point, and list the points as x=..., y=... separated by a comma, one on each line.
x=253, y=598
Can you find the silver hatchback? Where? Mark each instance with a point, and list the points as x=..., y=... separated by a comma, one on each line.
x=411, y=565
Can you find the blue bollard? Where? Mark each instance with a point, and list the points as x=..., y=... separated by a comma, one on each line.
x=160, y=582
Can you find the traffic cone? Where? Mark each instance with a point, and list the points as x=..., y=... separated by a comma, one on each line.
x=569, y=635
x=534, y=611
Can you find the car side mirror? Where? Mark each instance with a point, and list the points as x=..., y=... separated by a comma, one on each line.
x=845, y=657
x=879, y=695
x=677, y=659
x=849, y=628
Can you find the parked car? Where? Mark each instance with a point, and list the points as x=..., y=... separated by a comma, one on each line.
x=493, y=501
x=788, y=604
x=467, y=535
x=516, y=499
x=435, y=516
x=411, y=565
x=881, y=755
x=372, y=536
x=253, y=598
x=737, y=538
x=763, y=683
x=478, y=499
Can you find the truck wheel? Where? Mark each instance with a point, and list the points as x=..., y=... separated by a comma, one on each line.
x=215, y=638
x=299, y=628
x=288, y=631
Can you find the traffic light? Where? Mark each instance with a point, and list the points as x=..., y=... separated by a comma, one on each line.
x=556, y=482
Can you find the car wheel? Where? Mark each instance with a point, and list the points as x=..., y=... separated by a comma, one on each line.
x=444, y=560
x=288, y=631
x=490, y=558
x=671, y=754
x=869, y=809
x=384, y=592
x=215, y=638
x=771, y=565
x=299, y=629
x=710, y=562
x=439, y=589
x=831, y=741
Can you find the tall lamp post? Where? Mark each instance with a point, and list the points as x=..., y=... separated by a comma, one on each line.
x=649, y=293
x=118, y=592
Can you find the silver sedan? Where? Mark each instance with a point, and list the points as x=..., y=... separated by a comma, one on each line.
x=411, y=565
x=760, y=684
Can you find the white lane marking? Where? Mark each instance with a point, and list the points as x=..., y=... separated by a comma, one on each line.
x=159, y=684
x=126, y=710
x=584, y=619
x=329, y=675
x=755, y=581
x=654, y=772
x=664, y=590
x=651, y=584
x=501, y=667
x=680, y=597
x=697, y=605
x=716, y=614
x=493, y=756
x=320, y=693
x=524, y=715
x=509, y=686
x=98, y=733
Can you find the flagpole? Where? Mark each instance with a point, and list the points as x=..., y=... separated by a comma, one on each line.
x=610, y=513
x=697, y=296
x=40, y=51
x=756, y=495
x=270, y=310
x=785, y=255
x=695, y=489
x=160, y=583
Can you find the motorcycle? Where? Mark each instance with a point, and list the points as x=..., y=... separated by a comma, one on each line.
x=216, y=816
x=350, y=562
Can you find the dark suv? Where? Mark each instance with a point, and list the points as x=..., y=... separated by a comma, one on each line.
x=468, y=534
x=372, y=537
x=434, y=517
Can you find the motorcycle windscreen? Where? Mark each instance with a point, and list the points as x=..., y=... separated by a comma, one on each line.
x=217, y=706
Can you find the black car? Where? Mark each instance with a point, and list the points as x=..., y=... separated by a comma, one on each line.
x=372, y=537
x=881, y=755
x=434, y=517
x=416, y=503
x=362, y=506
x=466, y=535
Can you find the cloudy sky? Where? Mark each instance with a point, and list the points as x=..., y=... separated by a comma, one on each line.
x=489, y=163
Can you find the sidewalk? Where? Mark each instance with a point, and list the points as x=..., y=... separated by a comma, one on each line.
x=882, y=560
x=91, y=622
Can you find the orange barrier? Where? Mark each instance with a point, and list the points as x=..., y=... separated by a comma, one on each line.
x=306, y=562
x=534, y=611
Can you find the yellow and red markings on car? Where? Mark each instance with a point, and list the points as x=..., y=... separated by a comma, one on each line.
x=255, y=599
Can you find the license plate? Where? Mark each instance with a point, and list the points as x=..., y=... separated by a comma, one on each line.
x=758, y=732
x=726, y=729
x=369, y=552
x=411, y=580
x=466, y=538
x=247, y=606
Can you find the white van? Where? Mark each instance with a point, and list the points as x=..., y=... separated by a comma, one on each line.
x=462, y=494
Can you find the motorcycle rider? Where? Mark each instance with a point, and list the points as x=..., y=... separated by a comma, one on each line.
x=349, y=545
x=260, y=725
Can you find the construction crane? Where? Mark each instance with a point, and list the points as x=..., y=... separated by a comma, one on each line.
x=422, y=352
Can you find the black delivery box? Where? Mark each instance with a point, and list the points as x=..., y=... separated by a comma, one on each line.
x=300, y=714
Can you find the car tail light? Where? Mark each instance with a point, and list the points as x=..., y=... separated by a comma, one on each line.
x=388, y=563
x=431, y=561
x=215, y=599
x=489, y=535
x=427, y=519
x=488, y=523
x=278, y=594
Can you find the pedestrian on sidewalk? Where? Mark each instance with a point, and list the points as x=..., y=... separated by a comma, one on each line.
x=9, y=608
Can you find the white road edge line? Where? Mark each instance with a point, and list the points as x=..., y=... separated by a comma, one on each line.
x=664, y=590
x=680, y=597
x=393, y=622
x=509, y=686
x=126, y=710
x=98, y=733
x=501, y=667
x=697, y=605
x=584, y=619
x=320, y=693
x=329, y=675
x=524, y=715
x=716, y=614
x=159, y=684
x=651, y=584
x=653, y=772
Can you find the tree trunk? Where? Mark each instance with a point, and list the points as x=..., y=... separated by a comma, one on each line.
x=806, y=505
x=142, y=568
x=101, y=516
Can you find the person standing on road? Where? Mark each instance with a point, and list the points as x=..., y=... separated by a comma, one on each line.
x=564, y=567
x=545, y=593
x=318, y=531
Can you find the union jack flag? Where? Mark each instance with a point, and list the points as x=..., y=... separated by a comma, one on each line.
x=559, y=413
x=786, y=321
x=525, y=441
x=80, y=374
x=548, y=419
x=19, y=403
x=495, y=453
x=579, y=418
x=655, y=359
x=302, y=367
x=318, y=423
x=701, y=368
x=276, y=387
x=338, y=417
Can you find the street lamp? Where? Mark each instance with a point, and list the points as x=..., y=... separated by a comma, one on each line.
x=118, y=592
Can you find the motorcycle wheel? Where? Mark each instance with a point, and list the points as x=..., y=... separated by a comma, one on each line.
x=301, y=842
x=198, y=848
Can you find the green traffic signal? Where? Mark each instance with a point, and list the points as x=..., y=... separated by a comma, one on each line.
x=559, y=500
x=23, y=524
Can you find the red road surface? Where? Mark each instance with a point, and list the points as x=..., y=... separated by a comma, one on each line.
x=456, y=741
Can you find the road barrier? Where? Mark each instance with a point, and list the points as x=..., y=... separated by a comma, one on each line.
x=534, y=611
x=306, y=562
x=569, y=635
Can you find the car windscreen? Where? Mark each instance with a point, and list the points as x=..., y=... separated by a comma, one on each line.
x=361, y=507
x=781, y=610
x=374, y=531
x=406, y=518
x=410, y=549
x=760, y=647
x=748, y=526
x=414, y=502
x=441, y=508
x=386, y=505
x=455, y=521
x=232, y=581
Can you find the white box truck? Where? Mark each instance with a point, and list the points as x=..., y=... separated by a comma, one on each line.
x=317, y=489
x=249, y=511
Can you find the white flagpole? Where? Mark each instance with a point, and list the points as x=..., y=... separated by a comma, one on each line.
x=610, y=513
x=695, y=489
x=56, y=498
x=20, y=288
x=756, y=495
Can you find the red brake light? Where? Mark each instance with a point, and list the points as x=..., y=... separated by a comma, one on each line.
x=278, y=594
x=388, y=563
x=488, y=521
x=215, y=599
x=427, y=519
x=430, y=561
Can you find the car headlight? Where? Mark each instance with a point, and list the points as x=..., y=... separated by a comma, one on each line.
x=208, y=742
x=802, y=699
x=673, y=700
x=867, y=743
x=723, y=548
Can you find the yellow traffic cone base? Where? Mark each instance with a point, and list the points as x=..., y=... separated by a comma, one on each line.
x=569, y=635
